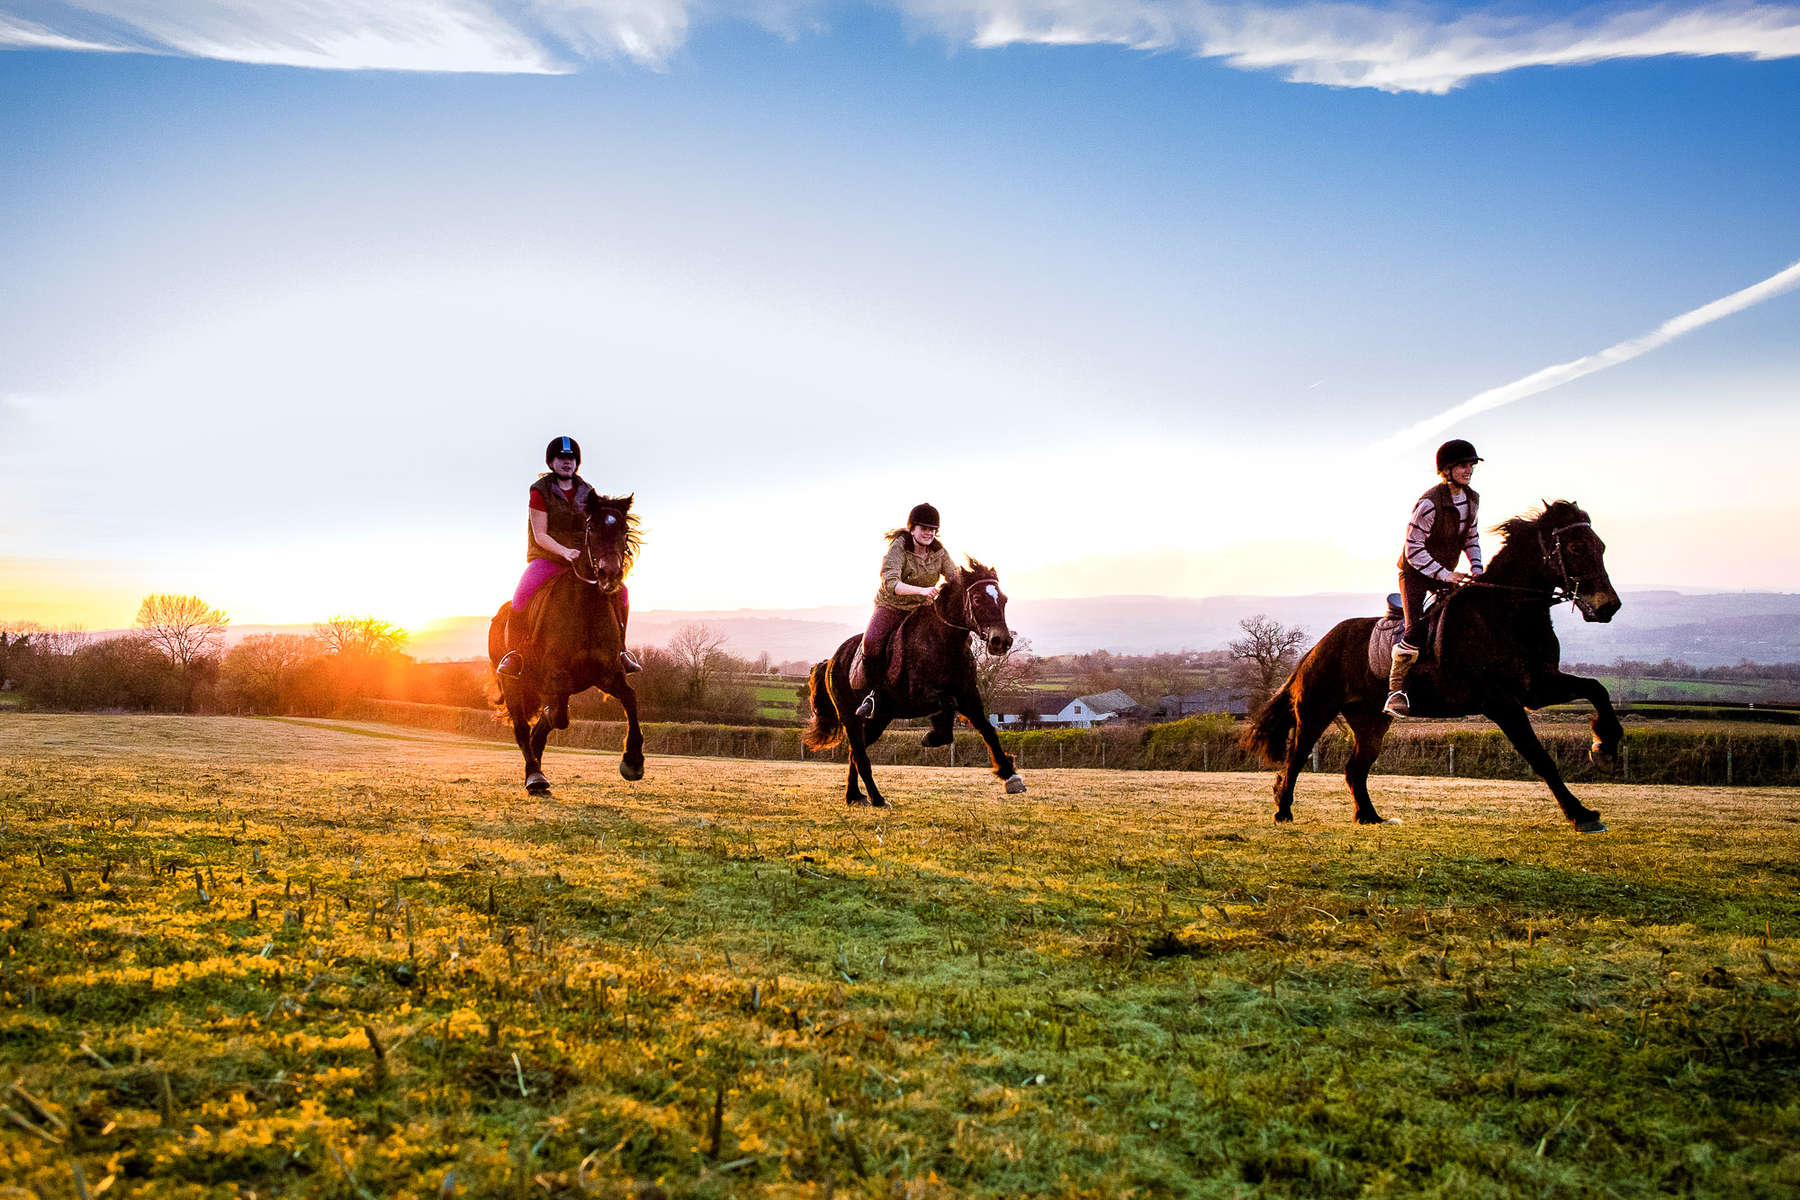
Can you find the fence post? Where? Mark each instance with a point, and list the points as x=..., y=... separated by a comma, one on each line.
x=1315, y=758
x=1453, y=760
x=1625, y=760
x=953, y=749
x=1727, y=762
x=1102, y=750
x=1059, y=756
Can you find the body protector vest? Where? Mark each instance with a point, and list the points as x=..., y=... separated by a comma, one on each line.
x=567, y=516
x=1449, y=532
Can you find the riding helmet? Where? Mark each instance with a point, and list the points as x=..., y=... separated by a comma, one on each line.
x=923, y=514
x=1456, y=451
x=563, y=447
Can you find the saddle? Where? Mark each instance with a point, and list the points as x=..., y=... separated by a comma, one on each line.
x=1388, y=629
x=896, y=650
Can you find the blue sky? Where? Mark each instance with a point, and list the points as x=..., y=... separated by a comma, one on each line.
x=1139, y=320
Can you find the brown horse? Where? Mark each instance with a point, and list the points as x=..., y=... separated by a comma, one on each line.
x=574, y=642
x=937, y=680
x=1494, y=652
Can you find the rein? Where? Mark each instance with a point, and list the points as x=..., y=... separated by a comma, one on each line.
x=1551, y=552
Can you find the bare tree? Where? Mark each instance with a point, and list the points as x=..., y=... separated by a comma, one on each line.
x=258, y=668
x=700, y=658
x=185, y=630
x=1005, y=679
x=17, y=640
x=368, y=636
x=1265, y=655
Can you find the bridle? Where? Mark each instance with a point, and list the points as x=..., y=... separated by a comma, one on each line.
x=587, y=549
x=1550, y=550
x=971, y=623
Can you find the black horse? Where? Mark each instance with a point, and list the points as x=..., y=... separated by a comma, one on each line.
x=574, y=642
x=937, y=680
x=1494, y=652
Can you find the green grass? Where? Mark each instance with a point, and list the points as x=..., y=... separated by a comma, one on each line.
x=1118, y=984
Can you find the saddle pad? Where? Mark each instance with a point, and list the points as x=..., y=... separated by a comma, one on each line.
x=1381, y=645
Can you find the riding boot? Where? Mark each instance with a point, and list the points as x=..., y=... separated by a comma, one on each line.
x=874, y=668
x=512, y=663
x=1397, y=704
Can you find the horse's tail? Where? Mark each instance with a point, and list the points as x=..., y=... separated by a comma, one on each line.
x=1268, y=734
x=825, y=728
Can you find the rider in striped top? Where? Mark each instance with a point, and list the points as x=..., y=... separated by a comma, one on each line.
x=1442, y=531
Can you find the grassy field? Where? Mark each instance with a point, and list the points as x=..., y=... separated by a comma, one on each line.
x=327, y=959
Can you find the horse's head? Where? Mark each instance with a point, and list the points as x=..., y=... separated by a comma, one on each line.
x=611, y=541
x=982, y=606
x=1568, y=554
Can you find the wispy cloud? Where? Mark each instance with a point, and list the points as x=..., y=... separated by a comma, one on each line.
x=1554, y=376
x=29, y=35
x=395, y=35
x=1402, y=48
x=1409, y=47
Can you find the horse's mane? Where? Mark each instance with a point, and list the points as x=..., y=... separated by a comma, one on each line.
x=634, y=541
x=976, y=572
x=1548, y=512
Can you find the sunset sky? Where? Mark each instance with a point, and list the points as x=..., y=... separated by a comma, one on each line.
x=1146, y=297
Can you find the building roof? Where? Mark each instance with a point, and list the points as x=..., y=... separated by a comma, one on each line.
x=1111, y=701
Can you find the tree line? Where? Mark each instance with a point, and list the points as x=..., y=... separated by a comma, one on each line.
x=176, y=658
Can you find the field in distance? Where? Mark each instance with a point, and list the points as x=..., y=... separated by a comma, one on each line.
x=317, y=958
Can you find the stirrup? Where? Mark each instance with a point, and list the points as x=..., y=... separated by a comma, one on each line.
x=511, y=665
x=1397, y=705
x=866, y=710
x=628, y=664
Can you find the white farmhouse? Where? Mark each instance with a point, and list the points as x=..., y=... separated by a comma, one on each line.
x=1083, y=712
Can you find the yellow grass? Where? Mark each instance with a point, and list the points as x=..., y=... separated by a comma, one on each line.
x=720, y=981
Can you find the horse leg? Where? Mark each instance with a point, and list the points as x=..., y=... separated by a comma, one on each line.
x=1368, y=729
x=535, y=783
x=943, y=729
x=1310, y=723
x=522, y=734
x=971, y=708
x=857, y=738
x=631, y=763
x=1603, y=752
x=1517, y=727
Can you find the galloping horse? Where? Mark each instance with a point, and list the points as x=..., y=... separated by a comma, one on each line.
x=1494, y=652
x=937, y=680
x=574, y=642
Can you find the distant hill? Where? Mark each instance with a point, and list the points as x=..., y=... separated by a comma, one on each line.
x=1704, y=629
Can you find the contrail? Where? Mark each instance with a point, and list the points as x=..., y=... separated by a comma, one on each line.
x=1612, y=356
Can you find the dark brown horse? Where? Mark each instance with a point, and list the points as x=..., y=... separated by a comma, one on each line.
x=937, y=680
x=574, y=642
x=1493, y=652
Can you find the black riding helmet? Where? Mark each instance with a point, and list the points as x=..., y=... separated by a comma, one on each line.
x=1456, y=451
x=563, y=447
x=923, y=514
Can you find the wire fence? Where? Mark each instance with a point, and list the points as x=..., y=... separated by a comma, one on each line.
x=1754, y=757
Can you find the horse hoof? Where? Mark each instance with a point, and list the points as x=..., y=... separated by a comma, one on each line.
x=631, y=771
x=933, y=738
x=1283, y=817
x=1603, y=758
x=1014, y=785
x=857, y=801
x=1373, y=819
x=1591, y=825
x=537, y=785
